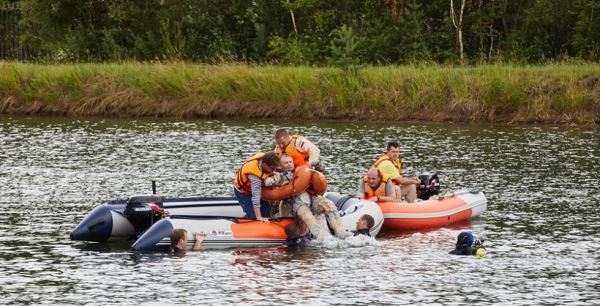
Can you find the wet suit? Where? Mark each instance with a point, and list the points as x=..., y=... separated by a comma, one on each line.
x=363, y=231
x=463, y=250
x=295, y=243
x=466, y=244
x=177, y=251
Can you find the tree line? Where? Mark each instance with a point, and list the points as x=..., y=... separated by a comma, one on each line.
x=306, y=32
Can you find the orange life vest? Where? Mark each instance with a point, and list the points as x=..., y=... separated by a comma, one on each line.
x=251, y=166
x=379, y=191
x=300, y=158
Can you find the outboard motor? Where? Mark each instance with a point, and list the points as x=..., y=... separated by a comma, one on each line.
x=143, y=211
x=429, y=186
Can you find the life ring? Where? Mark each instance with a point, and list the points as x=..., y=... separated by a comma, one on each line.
x=304, y=178
x=318, y=183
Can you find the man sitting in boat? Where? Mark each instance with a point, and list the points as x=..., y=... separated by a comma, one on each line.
x=179, y=241
x=364, y=225
x=299, y=148
x=376, y=187
x=248, y=185
x=306, y=205
x=391, y=165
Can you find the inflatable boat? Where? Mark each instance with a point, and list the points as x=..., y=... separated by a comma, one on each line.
x=126, y=219
x=432, y=213
x=228, y=232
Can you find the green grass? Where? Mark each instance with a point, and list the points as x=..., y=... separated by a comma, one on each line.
x=560, y=93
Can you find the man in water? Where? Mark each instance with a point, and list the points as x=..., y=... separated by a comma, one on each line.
x=391, y=165
x=179, y=241
x=248, y=185
x=293, y=240
x=376, y=187
x=364, y=225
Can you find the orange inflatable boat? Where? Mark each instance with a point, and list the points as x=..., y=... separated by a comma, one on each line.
x=452, y=208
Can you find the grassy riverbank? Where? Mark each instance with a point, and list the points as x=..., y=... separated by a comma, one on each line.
x=566, y=94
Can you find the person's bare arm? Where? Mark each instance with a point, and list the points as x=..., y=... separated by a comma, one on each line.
x=407, y=180
x=199, y=238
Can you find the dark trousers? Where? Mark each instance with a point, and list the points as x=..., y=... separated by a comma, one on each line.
x=246, y=203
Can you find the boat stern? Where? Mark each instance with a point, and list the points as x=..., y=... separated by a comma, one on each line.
x=149, y=241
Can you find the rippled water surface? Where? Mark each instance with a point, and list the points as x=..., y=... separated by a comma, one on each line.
x=541, y=227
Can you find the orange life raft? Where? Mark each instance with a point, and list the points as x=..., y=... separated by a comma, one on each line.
x=459, y=206
x=304, y=179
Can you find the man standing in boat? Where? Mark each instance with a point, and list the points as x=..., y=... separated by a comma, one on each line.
x=299, y=148
x=248, y=185
x=391, y=165
x=376, y=187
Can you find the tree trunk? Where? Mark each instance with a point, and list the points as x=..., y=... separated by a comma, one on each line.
x=293, y=18
x=592, y=14
x=458, y=25
x=504, y=21
x=491, y=41
x=293, y=21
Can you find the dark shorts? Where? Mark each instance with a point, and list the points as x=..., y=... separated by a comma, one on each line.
x=246, y=203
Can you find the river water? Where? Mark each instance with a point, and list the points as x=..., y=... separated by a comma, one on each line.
x=541, y=227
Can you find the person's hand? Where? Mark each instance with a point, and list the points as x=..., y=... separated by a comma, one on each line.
x=318, y=165
x=416, y=180
x=199, y=236
x=261, y=219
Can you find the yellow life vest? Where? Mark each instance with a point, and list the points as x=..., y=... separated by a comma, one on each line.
x=397, y=163
x=300, y=158
x=379, y=191
x=251, y=166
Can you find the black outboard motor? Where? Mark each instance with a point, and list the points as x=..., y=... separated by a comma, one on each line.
x=143, y=211
x=429, y=186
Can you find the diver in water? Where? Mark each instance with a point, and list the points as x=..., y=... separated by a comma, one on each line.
x=466, y=244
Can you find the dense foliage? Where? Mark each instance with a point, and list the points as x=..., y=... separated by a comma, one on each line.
x=314, y=32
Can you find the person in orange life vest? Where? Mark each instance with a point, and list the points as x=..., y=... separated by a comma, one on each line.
x=390, y=164
x=248, y=185
x=376, y=187
x=299, y=148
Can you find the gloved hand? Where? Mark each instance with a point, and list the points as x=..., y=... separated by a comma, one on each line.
x=318, y=165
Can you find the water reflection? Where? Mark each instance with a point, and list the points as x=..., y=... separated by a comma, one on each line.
x=541, y=227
